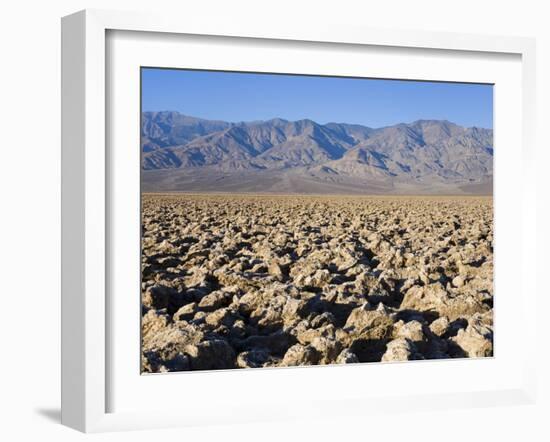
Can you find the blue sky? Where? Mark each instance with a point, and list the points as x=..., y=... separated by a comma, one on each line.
x=375, y=103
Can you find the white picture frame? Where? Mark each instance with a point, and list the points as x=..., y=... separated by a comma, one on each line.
x=86, y=217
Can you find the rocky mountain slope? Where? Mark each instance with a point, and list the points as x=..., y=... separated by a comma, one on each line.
x=426, y=156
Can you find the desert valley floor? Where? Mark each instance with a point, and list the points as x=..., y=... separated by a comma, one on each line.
x=247, y=281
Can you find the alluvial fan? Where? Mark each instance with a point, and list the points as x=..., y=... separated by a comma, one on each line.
x=247, y=281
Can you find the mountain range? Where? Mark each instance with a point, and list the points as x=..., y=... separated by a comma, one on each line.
x=184, y=153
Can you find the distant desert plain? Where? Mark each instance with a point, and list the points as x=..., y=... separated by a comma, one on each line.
x=277, y=243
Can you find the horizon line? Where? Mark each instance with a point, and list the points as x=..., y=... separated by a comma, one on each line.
x=309, y=119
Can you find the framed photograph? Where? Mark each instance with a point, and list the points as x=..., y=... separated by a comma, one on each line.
x=308, y=217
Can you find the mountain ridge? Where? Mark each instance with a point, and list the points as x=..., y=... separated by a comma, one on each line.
x=417, y=155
